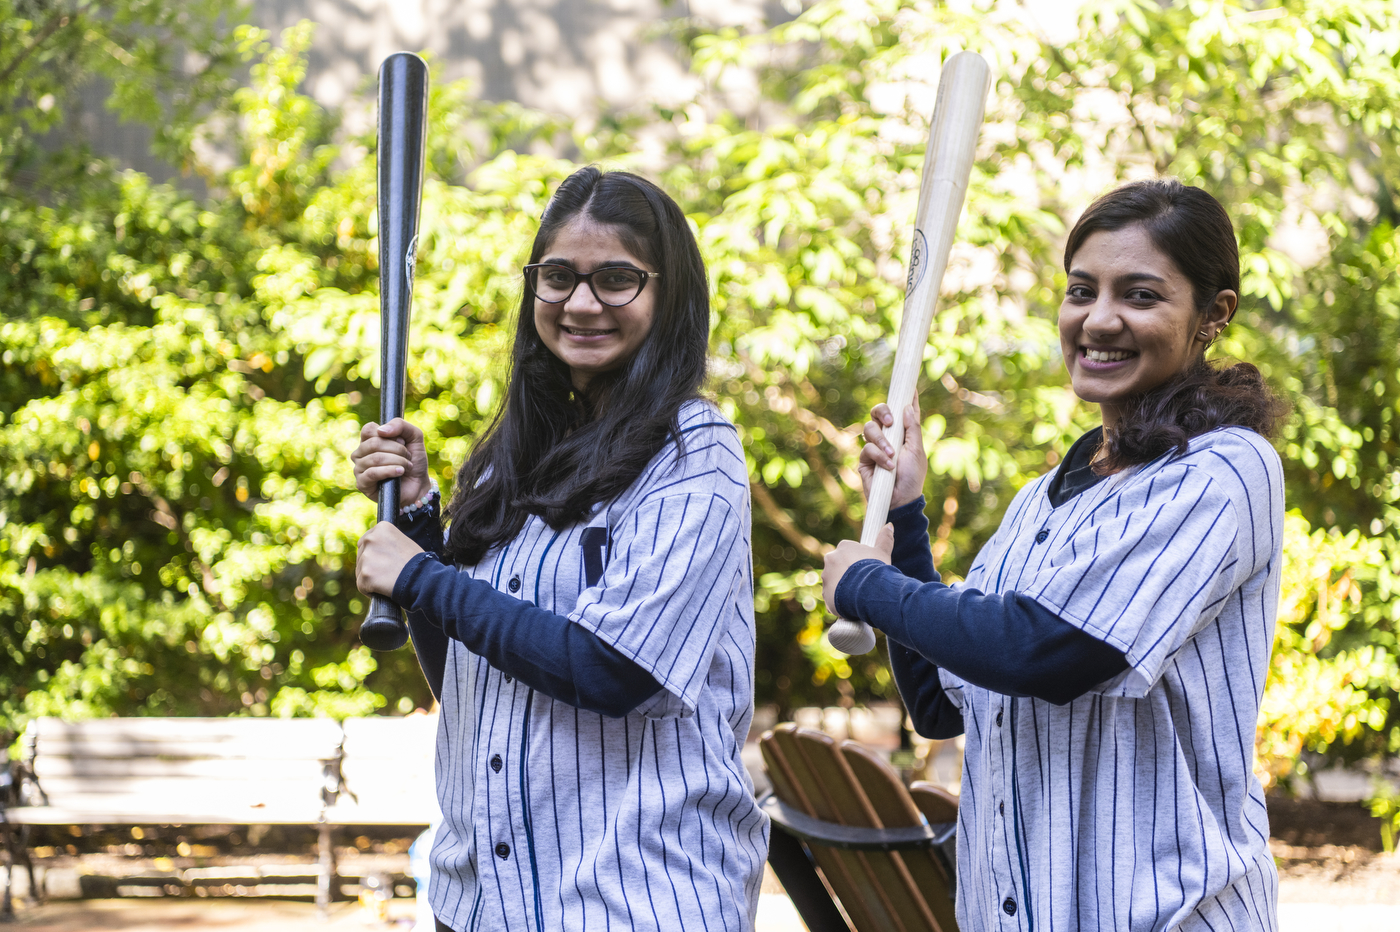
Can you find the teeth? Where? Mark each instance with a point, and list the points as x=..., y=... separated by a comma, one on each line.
x=578, y=331
x=1106, y=355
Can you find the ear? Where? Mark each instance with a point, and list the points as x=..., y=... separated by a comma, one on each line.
x=1217, y=316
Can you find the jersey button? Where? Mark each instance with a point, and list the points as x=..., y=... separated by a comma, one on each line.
x=1001, y=808
x=998, y=716
x=1041, y=536
x=1008, y=905
x=514, y=584
x=496, y=763
x=508, y=679
x=503, y=852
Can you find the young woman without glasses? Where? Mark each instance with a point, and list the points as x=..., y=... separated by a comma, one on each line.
x=587, y=622
x=1106, y=655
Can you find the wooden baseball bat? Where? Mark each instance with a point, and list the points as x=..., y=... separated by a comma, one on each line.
x=403, y=131
x=952, y=143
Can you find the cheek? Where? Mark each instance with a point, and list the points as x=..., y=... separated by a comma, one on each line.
x=1068, y=324
x=643, y=321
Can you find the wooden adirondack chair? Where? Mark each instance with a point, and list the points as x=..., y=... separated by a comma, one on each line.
x=885, y=852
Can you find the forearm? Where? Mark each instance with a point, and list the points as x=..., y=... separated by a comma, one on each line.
x=543, y=650
x=1005, y=642
x=431, y=646
x=933, y=713
x=912, y=555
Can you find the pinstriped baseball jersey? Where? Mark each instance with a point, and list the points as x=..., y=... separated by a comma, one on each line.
x=1134, y=806
x=559, y=818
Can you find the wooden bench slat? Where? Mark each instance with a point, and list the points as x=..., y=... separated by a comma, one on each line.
x=850, y=785
x=391, y=738
x=857, y=885
x=936, y=803
x=841, y=871
x=931, y=887
x=157, y=727
x=892, y=882
x=150, y=815
x=51, y=770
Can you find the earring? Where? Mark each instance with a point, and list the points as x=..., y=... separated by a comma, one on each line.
x=1205, y=335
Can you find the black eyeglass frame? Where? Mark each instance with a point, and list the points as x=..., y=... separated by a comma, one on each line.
x=588, y=277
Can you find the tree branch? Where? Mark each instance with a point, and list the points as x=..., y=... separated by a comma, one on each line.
x=56, y=22
x=945, y=526
x=784, y=524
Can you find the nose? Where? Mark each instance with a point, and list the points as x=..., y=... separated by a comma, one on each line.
x=1102, y=319
x=583, y=300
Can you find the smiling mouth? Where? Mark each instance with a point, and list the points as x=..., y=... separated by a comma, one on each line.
x=1094, y=355
x=583, y=332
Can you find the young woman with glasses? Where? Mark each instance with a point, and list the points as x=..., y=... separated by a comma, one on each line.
x=587, y=620
x=1105, y=656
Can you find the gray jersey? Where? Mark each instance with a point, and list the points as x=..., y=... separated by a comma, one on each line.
x=1135, y=806
x=558, y=818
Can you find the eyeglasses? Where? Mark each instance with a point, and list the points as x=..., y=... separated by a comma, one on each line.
x=613, y=285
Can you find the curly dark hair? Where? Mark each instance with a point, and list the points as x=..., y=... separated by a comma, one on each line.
x=1193, y=230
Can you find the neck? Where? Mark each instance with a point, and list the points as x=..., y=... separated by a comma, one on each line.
x=1110, y=412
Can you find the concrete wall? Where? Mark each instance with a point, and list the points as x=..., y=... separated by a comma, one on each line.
x=574, y=57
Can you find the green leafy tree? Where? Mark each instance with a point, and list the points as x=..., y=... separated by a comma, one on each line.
x=1285, y=112
x=183, y=379
x=161, y=64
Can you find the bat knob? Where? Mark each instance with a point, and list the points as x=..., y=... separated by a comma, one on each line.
x=383, y=628
x=851, y=637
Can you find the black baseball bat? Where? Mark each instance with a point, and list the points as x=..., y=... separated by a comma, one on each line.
x=403, y=130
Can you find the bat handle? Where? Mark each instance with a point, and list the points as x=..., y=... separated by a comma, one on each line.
x=384, y=627
x=857, y=637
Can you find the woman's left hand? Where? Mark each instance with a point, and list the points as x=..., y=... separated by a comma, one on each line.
x=912, y=463
x=383, y=551
x=849, y=552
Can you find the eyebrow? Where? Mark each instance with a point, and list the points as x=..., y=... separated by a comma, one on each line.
x=606, y=264
x=1130, y=277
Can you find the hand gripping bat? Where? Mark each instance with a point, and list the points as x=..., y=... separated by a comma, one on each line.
x=952, y=143
x=403, y=126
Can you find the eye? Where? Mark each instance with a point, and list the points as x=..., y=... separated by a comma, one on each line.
x=556, y=275
x=1142, y=296
x=618, y=279
x=1079, y=293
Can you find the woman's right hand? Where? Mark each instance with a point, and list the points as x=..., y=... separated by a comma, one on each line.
x=391, y=451
x=912, y=464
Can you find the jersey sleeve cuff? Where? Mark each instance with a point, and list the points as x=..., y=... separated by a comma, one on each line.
x=848, y=589
x=407, y=583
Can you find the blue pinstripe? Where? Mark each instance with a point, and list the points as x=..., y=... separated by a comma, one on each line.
x=633, y=805
x=1141, y=811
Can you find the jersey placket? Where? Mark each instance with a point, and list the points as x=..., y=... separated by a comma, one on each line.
x=1005, y=853
x=501, y=806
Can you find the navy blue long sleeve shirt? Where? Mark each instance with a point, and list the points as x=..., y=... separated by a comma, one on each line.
x=542, y=649
x=1005, y=642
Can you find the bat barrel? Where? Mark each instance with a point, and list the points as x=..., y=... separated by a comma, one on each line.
x=403, y=125
x=957, y=119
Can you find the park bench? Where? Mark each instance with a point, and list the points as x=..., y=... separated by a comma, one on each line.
x=845, y=826
x=221, y=771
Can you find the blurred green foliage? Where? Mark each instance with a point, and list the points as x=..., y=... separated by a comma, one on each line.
x=182, y=379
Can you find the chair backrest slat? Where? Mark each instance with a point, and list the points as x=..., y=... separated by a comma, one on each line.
x=906, y=891
x=844, y=871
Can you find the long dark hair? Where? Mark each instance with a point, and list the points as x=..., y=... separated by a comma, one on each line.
x=1193, y=230
x=552, y=450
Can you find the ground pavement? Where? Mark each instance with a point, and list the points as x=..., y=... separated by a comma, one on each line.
x=1322, y=888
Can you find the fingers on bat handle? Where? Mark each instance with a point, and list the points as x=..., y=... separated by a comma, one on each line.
x=851, y=637
x=383, y=628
